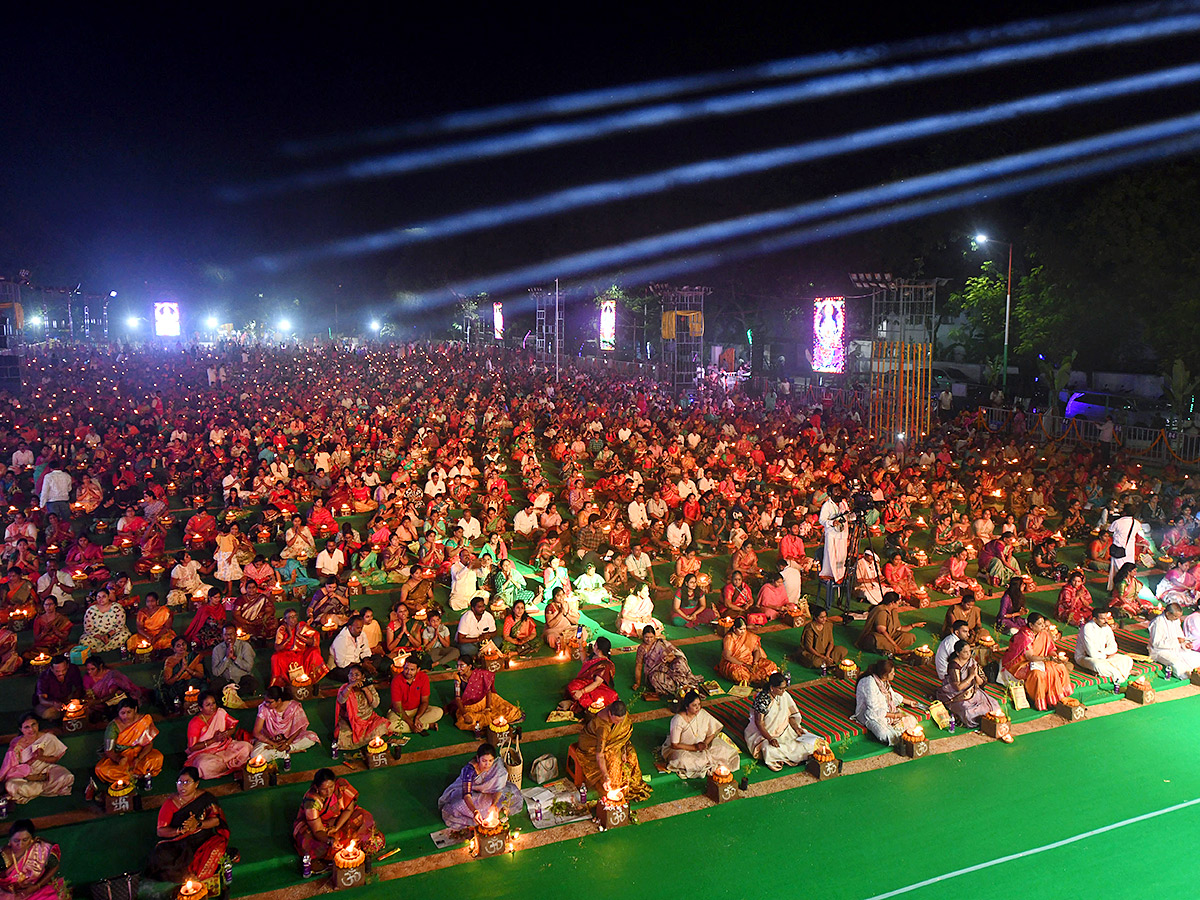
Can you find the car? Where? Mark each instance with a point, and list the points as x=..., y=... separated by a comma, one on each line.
x=1096, y=406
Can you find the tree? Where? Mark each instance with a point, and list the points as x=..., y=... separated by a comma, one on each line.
x=1056, y=378
x=1181, y=389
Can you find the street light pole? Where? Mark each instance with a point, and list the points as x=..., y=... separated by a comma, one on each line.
x=983, y=239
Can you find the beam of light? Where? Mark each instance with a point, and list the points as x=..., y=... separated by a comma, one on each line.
x=990, y=177
x=796, y=67
x=691, y=174
x=546, y=136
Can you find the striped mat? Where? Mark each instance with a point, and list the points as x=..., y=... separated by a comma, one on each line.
x=826, y=707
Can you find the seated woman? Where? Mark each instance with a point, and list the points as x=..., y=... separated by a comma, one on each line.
x=1044, y=560
x=106, y=687
x=817, y=649
x=946, y=538
x=153, y=622
x=89, y=558
x=181, y=670
x=520, y=632
x=664, y=665
x=952, y=579
x=208, y=621
x=877, y=706
x=192, y=833
x=1074, y=601
x=355, y=722
x=563, y=631
x=590, y=587
x=330, y=604
x=962, y=690
x=1011, y=616
x=775, y=733
x=593, y=688
x=607, y=757
x=31, y=866
x=696, y=743
x=297, y=648
x=128, y=751
x=637, y=613
x=260, y=572
x=1035, y=531
x=899, y=575
x=10, y=659
x=736, y=598
x=329, y=818
x=254, y=613
x=481, y=792
x=511, y=585
x=689, y=608
x=281, y=727
x=210, y=744
x=1033, y=659
x=745, y=560
x=882, y=631
x=743, y=660
x=104, y=625
x=998, y=559
x=30, y=768
x=1130, y=597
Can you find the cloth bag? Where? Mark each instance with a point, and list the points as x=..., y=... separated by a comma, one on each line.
x=544, y=768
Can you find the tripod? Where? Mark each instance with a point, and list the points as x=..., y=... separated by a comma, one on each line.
x=859, y=533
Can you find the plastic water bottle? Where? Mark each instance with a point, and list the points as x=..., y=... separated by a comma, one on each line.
x=1116, y=685
x=228, y=869
x=953, y=725
x=1168, y=672
x=824, y=670
x=583, y=793
x=147, y=782
x=4, y=806
x=287, y=762
x=478, y=731
x=537, y=812
x=333, y=749
x=306, y=866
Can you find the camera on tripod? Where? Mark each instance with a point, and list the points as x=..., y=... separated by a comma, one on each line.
x=862, y=502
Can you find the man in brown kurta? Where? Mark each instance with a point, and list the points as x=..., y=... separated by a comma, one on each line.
x=816, y=643
x=882, y=631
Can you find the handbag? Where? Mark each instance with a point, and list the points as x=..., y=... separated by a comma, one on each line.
x=121, y=887
x=544, y=768
x=79, y=654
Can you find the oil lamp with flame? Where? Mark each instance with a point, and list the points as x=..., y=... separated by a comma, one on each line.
x=349, y=866
x=913, y=743
x=612, y=809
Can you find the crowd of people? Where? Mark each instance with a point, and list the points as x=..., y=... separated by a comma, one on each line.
x=158, y=515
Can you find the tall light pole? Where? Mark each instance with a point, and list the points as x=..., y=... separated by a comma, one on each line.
x=983, y=239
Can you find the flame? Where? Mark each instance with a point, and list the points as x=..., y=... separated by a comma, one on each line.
x=491, y=820
x=257, y=761
x=615, y=795
x=722, y=771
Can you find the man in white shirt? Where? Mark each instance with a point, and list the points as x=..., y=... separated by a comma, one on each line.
x=679, y=533
x=638, y=519
x=1168, y=644
x=472, y=530
x=525, y=522
x=1096, y=648
x=638, y=564
x=331, y=560
x=464, y=581
x=656, y=507
x=1125, y=532
x=56, y=492
x=833, y=518
x=476, y=626
x=960, y=630
x=687, y=488
x=58, y=584
x=434, y=487
x=350, y=647
x=22, y=457
x=792, y=580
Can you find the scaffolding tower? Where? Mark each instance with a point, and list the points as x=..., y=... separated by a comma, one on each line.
x=903, y=321
x=547, y=323
x=682, y=348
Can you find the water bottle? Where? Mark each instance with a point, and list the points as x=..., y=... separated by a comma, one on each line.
x=824, y=670
x=333, y=749
x=4, y=806
x=1116, y=685
x=124, y=652
x=306, y=866
x=147, y=782
x=953, y=725
x=537, y=812
x=1168, y=672
x=228, y=869
x=478, y=731
x=583, y=793
x=287, y=762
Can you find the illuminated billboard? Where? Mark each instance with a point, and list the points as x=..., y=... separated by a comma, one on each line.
x=498, y=320
x=166, y=319
x=608, y=324
x=829, y=335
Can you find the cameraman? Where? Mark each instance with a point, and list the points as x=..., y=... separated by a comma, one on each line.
x=834, y=518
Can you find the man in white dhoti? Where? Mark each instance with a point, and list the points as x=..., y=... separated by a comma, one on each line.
x=1168, y=645
x=775, y=733
x=868, y=581
x=877, y=705
x=1096, y=648
x=834, y=518
x=1125, y=532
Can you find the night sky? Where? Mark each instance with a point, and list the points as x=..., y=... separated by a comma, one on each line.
x=123, y=131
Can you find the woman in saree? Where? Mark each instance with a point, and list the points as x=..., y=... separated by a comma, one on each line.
x=209, y=619
x=1033, y=659
x=743, y=660
x=637, y=613
x=476, y=703
x=607, y=757
x=745, y=560
x=30, y=768
x=254, y=613
x=520, y=632
x=259, y=571
x=511, y=584
x=355, y=722
x=329, y=818
x=297, y=646
x=104, y=624
x=817, y=647
x=481, y=793
x=181, y=670
x=128, y=748
x=211, y=747
x=201, y=529
x=1074, y=601
x=953, y=579
x=878, y=706
x=1011, y=616
x=590, y=587
x=89, y=558
x=1129, y=595
x=962, y=690
x=31, y=866
x=687, y=564
x=946, y=537
x=153, y=623
x=106, y=687
x=192, y=834
x=593, y=687
x=663, y=664
x=736, y=597
x=689, y=608
x=696, y=744
x=899, y=575
x=281, y=727
x=562, y=621
x=51, y=630
x=89, y=495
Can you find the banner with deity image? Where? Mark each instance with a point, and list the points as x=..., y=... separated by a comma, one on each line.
x=829, y=335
